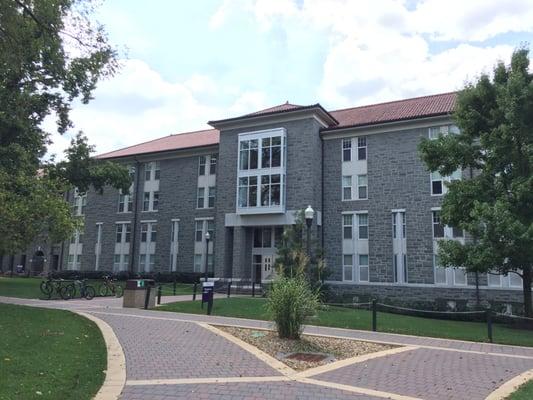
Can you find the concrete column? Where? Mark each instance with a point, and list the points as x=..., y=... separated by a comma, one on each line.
x=241, y=253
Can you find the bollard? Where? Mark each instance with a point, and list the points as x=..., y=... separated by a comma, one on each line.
x=253, y=289
x=229, y=289
x=147, y=298
x=174, y=287
x=159, y=295
x=489, y=324
x=194, y=291
x=209, y=306
x=374, y=315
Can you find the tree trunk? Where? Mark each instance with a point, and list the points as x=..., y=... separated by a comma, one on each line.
x=526, y=280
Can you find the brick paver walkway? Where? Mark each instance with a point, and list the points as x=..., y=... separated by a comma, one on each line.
x=170, y=356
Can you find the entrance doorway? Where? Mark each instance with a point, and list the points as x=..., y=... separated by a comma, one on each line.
x=264, y=252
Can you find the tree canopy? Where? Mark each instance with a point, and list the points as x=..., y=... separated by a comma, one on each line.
x=52, y=53
x=495, y=147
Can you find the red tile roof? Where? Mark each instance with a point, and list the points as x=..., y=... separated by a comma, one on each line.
x=173, y=142
x=281, y=107
x=399, y=110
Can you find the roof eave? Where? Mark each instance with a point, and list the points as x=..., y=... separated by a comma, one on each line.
x=345, y=127
x=151, y=153
x=228, y=122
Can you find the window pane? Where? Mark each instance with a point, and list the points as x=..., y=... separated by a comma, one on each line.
x=243, y=196
x=459, y=276
x=363, y=219
x=440, y=275
x=361, y=153
x=253, y=154
x=265, y=157
x=213, y=165
x=243, y=159
x=363, y=274
x=347, y=193
x=346, y=180
x=362, y=180
x=252, y=192
x=363, y=232
x=347, y=219
x=362, y=192
x=494, y=279
x=347, y=232
x=363, y=259
x=258, y=240
x=276, y=156
x=457, y=232
x=515, y=280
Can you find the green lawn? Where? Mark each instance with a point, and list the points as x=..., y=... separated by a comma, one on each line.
x=27, y=288
x=525, y=392
x=362, y=319
x=49, y=354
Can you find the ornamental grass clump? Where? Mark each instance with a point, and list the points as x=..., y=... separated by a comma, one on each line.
x=291, y=301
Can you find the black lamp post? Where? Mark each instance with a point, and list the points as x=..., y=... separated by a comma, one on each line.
x=309, y=214
x=207, y=237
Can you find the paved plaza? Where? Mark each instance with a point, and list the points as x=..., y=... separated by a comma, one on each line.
x=178, y=356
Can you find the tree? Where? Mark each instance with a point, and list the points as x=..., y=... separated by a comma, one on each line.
x=51, y=54
x=495, y=143
x=293, y=258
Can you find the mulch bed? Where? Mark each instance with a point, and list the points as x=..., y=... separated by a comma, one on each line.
x=308, y=352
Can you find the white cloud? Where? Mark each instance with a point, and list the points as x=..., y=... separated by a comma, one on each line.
x=381, y=50
x=139, y=105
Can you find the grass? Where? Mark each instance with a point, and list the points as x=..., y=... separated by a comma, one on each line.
x=362, y=319
x=28, y=288
x=49, y=354
x=525, y=392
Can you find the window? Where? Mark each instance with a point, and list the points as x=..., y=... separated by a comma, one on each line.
x=459, y=276
x=347, y=150
x=127, y=234
x=346, y=187
x=116, y=262
x=437, y=181
x=201, y=197
x=347, y=226
x=362, y=187
x=198, y=263
x=347, y=263
x=212, y=194
x=440, y=272
x=79, y=203
x=515, y=280
x=457, y=232
x=146, y=201
x=436, y=131
x=270, y=190
x=248, y=152
x=121, y=202
x=261, y=178
x=403, y=225
x=198, y=233
x=248, y=191
x=155, y=202
x=201, y=165
x=494, y=279
x=152, y=171
x=83, y=204
x=120, y=227
x=213, y=164
x=144, y=233
x=263, y=237
x=153, y=236
x=271, y=152
x=211, y=229
x=438, y=227
x=98, y=249
x=362, y=221
x=363, y=268
x=361, y=148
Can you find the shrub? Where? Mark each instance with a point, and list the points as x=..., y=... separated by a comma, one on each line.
x=291, y=301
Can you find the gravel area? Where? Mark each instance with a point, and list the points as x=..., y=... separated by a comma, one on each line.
x=335, y=349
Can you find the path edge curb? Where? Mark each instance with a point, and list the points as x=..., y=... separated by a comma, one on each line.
x=115, y=377
x=511, y=386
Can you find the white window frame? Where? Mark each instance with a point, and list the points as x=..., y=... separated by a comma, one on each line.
x=200, y=200
x=361, y=144
x=347, y=186
x=174, y=243
x=350, y=267
x=211, y=196
x=359, y=186
x=260, y=172
x=152, y=169
x=347, y=148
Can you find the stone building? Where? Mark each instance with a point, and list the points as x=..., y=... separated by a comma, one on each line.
x=376, y=205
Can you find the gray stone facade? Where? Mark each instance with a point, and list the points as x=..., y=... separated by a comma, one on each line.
x=397, y=179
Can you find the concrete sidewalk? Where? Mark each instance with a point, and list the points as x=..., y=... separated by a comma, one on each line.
x=174, y=356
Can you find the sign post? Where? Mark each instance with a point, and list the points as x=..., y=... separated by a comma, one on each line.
x=207, y=295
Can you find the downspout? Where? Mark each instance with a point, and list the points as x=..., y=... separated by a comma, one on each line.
x=322, y=197
x=135, y=209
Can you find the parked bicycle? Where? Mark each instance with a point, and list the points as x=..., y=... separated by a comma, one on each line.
x=49, y=286
x=111, y=286
x=69, y=291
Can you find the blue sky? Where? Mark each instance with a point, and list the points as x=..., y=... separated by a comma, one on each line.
x=189, y=62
